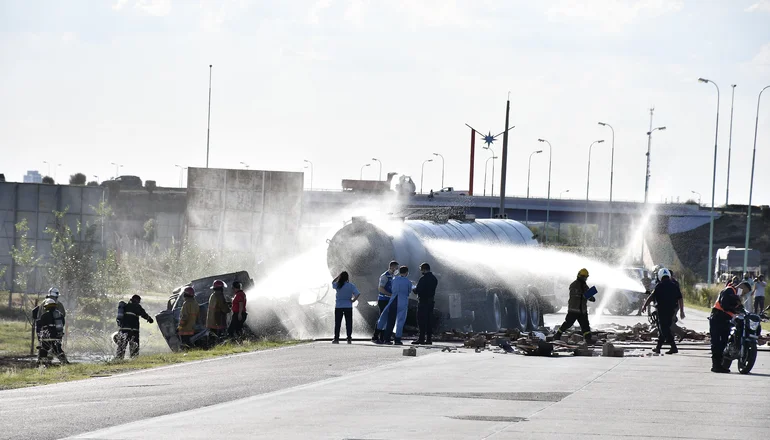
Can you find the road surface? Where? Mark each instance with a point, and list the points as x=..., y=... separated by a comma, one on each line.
x=364, y=391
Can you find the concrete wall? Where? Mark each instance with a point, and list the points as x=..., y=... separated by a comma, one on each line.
x=36, y=203
x=243, y=210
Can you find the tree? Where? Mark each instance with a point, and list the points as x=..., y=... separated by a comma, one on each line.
x=48, y=180
x=78, y=179
x=25, y=257
x=92, y=183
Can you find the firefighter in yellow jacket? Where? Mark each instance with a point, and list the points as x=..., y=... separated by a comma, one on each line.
x=216, y=318
x=188, y=317
x=577, y=307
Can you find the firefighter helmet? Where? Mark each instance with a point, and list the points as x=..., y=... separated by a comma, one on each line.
x=53, y=292
x=583, y=273
x=189, y=291
x=49, y=303
x=218, y=284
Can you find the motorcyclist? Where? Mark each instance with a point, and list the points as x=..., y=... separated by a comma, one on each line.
x=727, y=305
x=577, y=307
x=50, y=330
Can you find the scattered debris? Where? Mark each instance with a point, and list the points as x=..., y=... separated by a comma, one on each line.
x=411, y=351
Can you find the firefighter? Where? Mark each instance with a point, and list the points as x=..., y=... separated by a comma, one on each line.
x=50, y=330
x=216, y=317
x=188, y=317
x=128, y=327
x=383, y=298
x=53, y=293
x=668, y=297
x=239, y=311
x=577, y=307
x=728, y=303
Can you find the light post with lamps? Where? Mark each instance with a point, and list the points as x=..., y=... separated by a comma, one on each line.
x=751, y=185
x=49, y=168
x=311, y=172
x=529, y=174
x=647, y=176
x=422, y=173
x=713, y=183
x=588, y=182
x=489, y=147
x=486, y=165
x=181, y=170
x=730, y=148
x=380, y=163
x=699, y=197
x=97, y=178
x=612, y=175
x=442, y=169
x=565, y=191
x=548, y=205
x=117, y=167
x=361, y=175
x=245, y=165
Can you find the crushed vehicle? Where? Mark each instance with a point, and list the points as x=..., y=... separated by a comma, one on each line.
x=364, y=249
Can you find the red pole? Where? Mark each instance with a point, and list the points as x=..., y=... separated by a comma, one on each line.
x=473, y=154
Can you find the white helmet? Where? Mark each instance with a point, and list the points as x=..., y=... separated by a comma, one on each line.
x=53, y=292
x=663, y=272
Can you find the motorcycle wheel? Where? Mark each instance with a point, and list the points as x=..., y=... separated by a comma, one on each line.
x=747, y=359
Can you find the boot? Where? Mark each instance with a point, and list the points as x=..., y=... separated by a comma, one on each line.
x=557, y=336
x=377, y=336
x=397, y=341
x=673, y=350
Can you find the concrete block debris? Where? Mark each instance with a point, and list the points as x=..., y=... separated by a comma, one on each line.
x=411, y=351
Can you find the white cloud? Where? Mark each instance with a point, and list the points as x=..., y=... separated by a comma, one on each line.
x=761, y=60
x=760, y=6
x=611, y=15
x=313, y=15
x=354, y=13
x=157, y=8
x=215, y=14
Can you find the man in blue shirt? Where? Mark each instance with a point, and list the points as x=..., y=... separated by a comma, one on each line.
x=401, y=287
x=384, y=290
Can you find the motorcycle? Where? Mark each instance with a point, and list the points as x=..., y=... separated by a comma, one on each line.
x=742, y=342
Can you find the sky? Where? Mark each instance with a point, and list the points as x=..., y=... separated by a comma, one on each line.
x=339, y=82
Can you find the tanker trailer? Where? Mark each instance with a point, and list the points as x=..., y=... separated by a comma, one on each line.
x=485, y=302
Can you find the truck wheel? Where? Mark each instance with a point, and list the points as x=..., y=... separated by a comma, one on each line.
x=493, y=313
x=517, y=315
x=533, y=313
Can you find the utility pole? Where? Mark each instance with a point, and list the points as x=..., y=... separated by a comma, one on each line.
x=730, y=148
x=208, y=125
x=504, y=167
x=646, y=183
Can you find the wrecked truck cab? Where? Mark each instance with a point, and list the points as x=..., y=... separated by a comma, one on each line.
x=168, y=320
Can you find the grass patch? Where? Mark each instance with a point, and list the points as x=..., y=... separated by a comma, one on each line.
x=14, y=337
x=18, y=377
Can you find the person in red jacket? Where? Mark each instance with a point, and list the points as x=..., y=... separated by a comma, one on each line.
x=239, y=311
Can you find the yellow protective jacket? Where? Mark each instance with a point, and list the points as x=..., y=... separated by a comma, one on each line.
x=578, y=303
x=188, y=317
x=216, y=318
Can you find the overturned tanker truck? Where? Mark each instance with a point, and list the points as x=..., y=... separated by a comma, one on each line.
x=484, y=303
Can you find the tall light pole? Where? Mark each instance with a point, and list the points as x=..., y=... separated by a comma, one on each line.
x=245, y=165
x=56, y=170
x=361, y=175
x=529, y=173
x=647, y=174
x=422, y=173
x=713, y=183
x=97, y=178
x=504, y=158
x=181, y=170
x=380, y=163
x=612, y=175
x=311, y=173
x=751, y=185
x=442, y=169
x=588, y=182
x=730, y=147
x=699, y=197
x=489, y=147
x=548, y=205
x=49, y=168
x=117, y=167
x=486, y=165
x=208, y=123
x=565, y=191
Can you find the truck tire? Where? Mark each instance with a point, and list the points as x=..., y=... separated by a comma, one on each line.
x=516, y=314
x=533, y=312
x=619, y=305
x=493, y=315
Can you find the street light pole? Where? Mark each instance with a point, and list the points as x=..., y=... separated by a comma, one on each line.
x=442, y=169
x=647, y=177
x=361, y=175
x=380, y=164
x=730, y=147
x=588, y=181
x=566, y=191
x=49, y=168
x=422, y=173
x=245, y=165
x=489, y=147
x=208, y=123
x=699, y=197
x=529, y=173
x=311, y=173
x=751, y=186
x=117, y=167
x=180, y=174
x=486, y=165
x=612, y=175
x=548, y=205
x=713, y=183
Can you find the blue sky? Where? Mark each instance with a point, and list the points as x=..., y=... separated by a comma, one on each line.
x=88, y=83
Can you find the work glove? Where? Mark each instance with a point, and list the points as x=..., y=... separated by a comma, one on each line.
x=592, y=299
x=150, y=320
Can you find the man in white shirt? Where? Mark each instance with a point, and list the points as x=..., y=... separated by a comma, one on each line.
x=759, y=294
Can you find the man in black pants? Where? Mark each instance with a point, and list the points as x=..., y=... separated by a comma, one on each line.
x=668, y=297
x=577, y=307
x=728, y=303
x=383, y=297
x=128, y=333
x=426, y=294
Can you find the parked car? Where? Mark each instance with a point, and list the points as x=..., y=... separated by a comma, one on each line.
x=450, y=191
x=125, y=182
